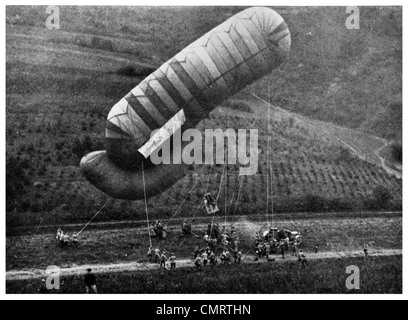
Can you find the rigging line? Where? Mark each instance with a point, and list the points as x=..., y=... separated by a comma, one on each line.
x=241, y=178
x=225, y=166
x=270, y=166
x=219, y=193
x=147, y=211
x=109, y=200
x=239, y=194
x=208, y=187
x=267, y=164
x=226, y=189
x=182, y=203
x=221, y=183
x=233, y=196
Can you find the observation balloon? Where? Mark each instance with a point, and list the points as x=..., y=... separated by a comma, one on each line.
x=180, y=94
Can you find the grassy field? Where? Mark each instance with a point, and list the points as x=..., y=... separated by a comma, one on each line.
x=61, y=84
x=343, y=233
x=379, y=275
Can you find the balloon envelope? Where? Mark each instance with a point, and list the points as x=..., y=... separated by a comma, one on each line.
x=232, y=56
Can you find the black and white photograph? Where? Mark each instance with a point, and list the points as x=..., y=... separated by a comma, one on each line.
x=195, y=149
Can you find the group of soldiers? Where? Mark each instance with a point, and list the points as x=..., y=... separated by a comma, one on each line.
x=205, y=257
x=156, y=256
x=223, y=246
x=65, y=240
x=266, y=245
x=187, y=227
x=215, y=240
x=158, y=229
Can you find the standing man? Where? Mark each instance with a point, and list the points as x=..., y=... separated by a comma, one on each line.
x=196, y=252
x=60, y=234
x=90, y=283
x=157, y=255
x=172, y=260
x=260, y=250
x=205, y=258
x=267, y=250
x=163, y=260
x=150, y=254
x=317, y=248
x=303, y=260
x=198, y=263
x=239, y=257
x=282, y=249
x=75, y=241
x=213, y=259
x=366, y=250
x=295, y=249
x=224, y=257
x=228, y=257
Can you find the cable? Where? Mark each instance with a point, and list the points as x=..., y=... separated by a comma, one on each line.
x=147, y=214
x=94, y=217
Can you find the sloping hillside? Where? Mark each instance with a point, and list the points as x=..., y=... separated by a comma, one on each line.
x=347, y=77
x=61, y=85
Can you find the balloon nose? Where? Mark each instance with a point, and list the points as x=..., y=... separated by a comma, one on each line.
x=129, y=184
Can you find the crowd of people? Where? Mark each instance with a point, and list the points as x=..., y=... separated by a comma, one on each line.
x=64, y=239
x=220, y=246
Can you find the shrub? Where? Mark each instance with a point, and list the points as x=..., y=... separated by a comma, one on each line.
x=17, y=180
x=382, y=196
x=396, y=151
x=134, y=71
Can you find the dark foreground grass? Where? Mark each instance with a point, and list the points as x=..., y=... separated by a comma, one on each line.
x=379, y=275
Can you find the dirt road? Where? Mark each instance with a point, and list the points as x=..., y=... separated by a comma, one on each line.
x=186, y=263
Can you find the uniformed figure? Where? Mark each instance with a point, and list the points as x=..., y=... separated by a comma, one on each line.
x=236, y=245
x=295, y=249
x=75, y=241
x=282, y=249
x=198, y=263
x=260, y=250
x=59, y=234
x=90, y=283
x=150, y=254
x=172, y=260
x=205, y=258
x=303, y=260
x=213, y=259
x=267, y=250
x=66, y=239
x=196, y=252
x=228, y=257
x=157, y=255
x=224, y=256
x=317, y=248
x=239, y=257
x=163, y=260
x=366, y=250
